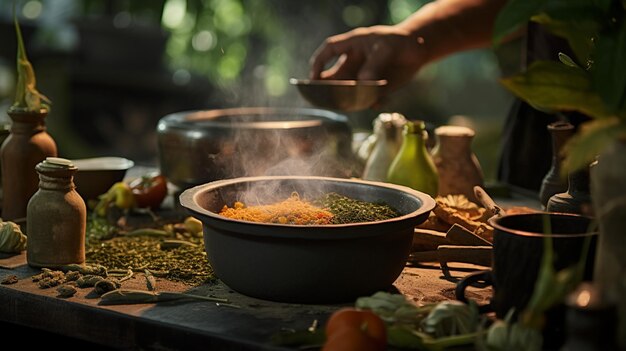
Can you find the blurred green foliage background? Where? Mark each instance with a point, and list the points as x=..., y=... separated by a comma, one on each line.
x=113, y=68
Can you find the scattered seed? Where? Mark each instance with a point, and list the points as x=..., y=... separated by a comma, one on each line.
x=9, y=279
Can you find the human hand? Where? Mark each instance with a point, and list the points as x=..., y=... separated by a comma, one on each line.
x=373, y=53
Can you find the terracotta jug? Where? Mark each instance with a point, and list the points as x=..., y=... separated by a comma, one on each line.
x=458, y=167
x=27, y=145
x=57, y=217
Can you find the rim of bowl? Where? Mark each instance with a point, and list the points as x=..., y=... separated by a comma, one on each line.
x=493, y=221
x=109, y=163
x=188, y=199
x=339, y=82
x=187, y=119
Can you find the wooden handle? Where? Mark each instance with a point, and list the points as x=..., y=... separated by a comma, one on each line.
x=426, y=239
x=479, y=255
x=487, y=201
x=459, y=235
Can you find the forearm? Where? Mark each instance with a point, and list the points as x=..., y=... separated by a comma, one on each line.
x=443, y=27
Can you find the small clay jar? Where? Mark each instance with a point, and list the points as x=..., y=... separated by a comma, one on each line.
x=458, y=167
x=26, y=146
x=56, y=217
x=553, y=183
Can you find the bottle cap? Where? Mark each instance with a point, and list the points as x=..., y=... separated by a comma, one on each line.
x=457, y=131
x=57, y=161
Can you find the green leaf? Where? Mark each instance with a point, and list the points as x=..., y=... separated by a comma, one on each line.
x=592, y=138
x=603, y=4
x=567, y=60
x=514, y=14
x=608, y=71
x=450, y=318
x=394, y=308
x=578, y=10
x=578, y=34
x=407, y=338
x=552, y=85
x=299, y=338
x=503, y=335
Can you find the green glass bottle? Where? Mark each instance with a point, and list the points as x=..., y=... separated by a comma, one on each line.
x=413, y=166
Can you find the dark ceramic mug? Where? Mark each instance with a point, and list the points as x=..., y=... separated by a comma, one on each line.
x=517, y=253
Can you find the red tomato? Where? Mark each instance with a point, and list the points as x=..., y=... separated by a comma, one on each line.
x=149, y=191
x=351, y=340
x=351, y=329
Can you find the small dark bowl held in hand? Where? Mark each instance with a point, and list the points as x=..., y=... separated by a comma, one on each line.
x=343, y=95
x=306, y=263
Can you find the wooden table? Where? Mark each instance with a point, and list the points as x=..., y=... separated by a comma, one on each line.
x=188, y=325
x=199, y=325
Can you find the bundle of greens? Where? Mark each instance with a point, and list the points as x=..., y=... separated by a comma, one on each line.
x=27, y=97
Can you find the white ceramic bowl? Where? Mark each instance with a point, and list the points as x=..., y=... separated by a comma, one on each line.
x=96, y=175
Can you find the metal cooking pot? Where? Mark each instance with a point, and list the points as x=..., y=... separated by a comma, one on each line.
x=196, y=147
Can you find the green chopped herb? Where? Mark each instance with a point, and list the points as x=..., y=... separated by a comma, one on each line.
x=347, y=210
x=100, y=229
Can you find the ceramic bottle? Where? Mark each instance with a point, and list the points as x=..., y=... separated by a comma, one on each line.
x=553, y=183
x=56, y=217
x=388, y=132
x=458, y=167
x=413, y=165
x=577, y=198
x=26, y=146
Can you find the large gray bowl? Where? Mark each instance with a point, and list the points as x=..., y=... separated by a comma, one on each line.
x=196, y=147
x=306, y=264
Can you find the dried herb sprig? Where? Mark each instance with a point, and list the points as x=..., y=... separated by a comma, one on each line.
x=150, y=280
x=129, y=297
